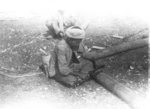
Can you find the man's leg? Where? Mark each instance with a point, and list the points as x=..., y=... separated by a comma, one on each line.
x=44, y=68
x=70, y=81
x=67, y=81
x=45, y=64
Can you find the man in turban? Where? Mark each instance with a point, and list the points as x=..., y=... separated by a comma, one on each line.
x=66, y=64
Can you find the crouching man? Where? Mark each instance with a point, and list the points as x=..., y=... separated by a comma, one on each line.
x=66, y=64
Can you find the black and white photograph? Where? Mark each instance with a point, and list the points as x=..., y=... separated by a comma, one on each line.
x=74, y=54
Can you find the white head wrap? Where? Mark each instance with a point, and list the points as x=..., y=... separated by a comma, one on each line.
x=75, y=32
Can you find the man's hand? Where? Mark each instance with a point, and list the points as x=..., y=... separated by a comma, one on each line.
x=76, y=67
x=47, y=36
x=61, y=33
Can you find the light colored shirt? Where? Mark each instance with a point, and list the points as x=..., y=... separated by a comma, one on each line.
x=62, y=22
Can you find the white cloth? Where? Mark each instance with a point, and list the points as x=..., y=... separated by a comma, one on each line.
x=75, y=32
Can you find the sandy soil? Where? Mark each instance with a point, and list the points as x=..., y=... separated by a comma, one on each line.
x=20, y=40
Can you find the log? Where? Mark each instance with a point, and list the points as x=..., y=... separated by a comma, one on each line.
x=116, y=88
x=116, y=49
x=124, y=39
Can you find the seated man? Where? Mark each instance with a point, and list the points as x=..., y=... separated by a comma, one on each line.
x=66, y=64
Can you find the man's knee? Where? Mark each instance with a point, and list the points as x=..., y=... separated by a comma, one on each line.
x=88, y=66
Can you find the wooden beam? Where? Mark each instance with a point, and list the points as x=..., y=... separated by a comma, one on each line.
x=122, y=92
x=116, y=49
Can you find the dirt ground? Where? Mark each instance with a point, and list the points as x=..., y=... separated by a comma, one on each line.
x=20, y=40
